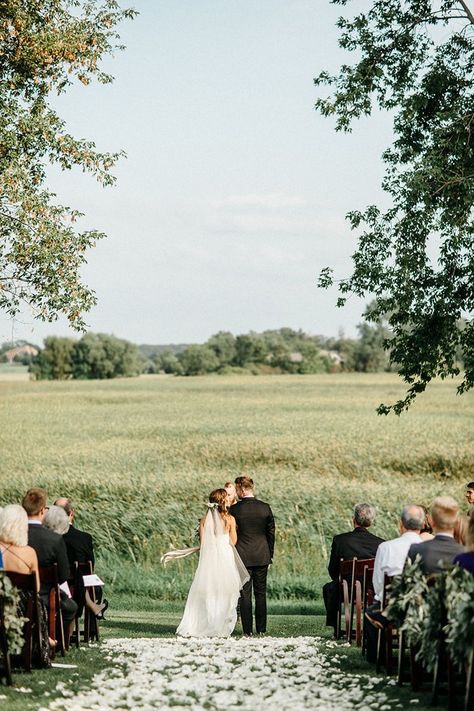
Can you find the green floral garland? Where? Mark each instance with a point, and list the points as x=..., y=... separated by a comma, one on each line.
x=460, y=613
x=423, y=610
x=9, y=599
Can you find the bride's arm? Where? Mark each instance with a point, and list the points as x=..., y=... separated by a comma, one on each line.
x=232, y=530
x=201, y=528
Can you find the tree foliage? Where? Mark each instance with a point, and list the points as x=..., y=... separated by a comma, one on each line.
x=46, y=45
x=415, y=60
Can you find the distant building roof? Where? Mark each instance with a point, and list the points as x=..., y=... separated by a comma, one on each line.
x=20, y=350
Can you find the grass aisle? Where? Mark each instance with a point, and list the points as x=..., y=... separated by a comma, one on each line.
x=299, y=664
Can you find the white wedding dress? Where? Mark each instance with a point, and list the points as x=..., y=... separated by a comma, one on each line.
x=211, y=607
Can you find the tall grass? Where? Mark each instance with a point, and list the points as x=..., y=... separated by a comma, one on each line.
x=139, y=457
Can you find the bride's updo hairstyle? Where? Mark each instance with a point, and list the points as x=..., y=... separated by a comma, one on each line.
x=219, y=497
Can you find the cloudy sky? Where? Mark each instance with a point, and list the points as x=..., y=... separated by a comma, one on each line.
x=234, y=191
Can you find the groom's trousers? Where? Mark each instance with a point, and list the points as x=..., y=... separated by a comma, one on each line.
x=258, y=581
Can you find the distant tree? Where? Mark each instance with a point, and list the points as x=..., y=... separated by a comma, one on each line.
x=168, y=362
x=415, y=59
x=223, y=345
x=369, y=354
x=54, y=361
x=100, y=356
x=198, y=360
x=46, y=44
x=250, y=348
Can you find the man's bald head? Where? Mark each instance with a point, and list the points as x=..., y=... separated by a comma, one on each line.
x=412, y=518
x=66, y=504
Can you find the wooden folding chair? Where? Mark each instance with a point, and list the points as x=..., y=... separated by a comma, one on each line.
x=367, y=600
x=26, y=582
x=351, y=575
x=91, y=626
x=388, y=637
x=49, y=577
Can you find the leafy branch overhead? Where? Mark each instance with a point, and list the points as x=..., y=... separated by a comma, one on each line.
x=46, y=46
x=415, y=60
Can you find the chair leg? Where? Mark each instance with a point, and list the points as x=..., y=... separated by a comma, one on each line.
x=401, y=658
x=415, y=670
x=358, y=609
x=379, y=651
x=439, y=664
x=389, y=650
x=469, y=695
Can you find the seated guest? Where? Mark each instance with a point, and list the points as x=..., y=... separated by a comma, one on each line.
x=466, y=559
x=359, y=543
x=19, y=557
x=460, y=529
x=426, y=532
x=390, y=560
x=80, y=549
x=391, y=555
x=50, y=548
x=442, y=549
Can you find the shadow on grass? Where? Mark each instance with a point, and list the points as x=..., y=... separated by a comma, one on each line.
x=143, y=629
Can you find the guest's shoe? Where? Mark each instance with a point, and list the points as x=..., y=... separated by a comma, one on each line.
x=100, y=615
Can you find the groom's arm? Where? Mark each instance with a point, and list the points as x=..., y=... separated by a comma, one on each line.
x=270, y=531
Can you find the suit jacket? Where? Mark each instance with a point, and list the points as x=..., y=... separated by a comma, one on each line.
x=50, y=548
x=436, y=554
x=359, y=543
x=255, y=531
x=79, y=546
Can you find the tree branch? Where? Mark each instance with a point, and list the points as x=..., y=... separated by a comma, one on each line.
x=468, y=11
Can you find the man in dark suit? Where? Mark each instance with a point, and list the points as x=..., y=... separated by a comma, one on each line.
x=358, y=543
x=80, y=548
x=255, y=545
x=79, y=544
x=50, y=548
x=438, y=553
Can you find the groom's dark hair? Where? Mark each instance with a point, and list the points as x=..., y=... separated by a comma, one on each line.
x=245, y=482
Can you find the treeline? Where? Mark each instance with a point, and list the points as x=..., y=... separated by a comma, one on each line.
x=277, y=351
x=102, y=356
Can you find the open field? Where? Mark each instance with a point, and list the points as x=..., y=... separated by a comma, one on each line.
x=140, y=455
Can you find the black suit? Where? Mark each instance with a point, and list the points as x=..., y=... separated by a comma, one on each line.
x=80, y=548
x=50, y=548
x=359, y=543
x=436, y=554
x=255, y=545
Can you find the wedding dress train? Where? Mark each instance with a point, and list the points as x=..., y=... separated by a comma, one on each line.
x=211, y=607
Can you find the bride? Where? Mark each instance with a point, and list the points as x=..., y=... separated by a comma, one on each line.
x=211, y=607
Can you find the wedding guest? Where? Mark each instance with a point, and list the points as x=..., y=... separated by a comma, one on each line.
x=50, y=548
x=442, y=549
x=231, y=493
x=18, y=556
x=470, y=495
x=460, y=529
x=466, y=559
x=390, y=560
x=426, y=532
x=358, y=543
x=80, y=548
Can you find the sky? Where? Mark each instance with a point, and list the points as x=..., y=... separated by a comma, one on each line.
x=234, y=191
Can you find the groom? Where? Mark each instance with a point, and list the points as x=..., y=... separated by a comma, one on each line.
x=255, y=544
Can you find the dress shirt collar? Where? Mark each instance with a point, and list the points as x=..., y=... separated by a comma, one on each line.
x=34, y=522
x=443, y=534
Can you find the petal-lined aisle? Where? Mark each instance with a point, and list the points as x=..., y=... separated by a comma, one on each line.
x=244, y=673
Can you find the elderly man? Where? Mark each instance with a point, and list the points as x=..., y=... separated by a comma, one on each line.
x=391, y=555
x=79, y=544
x=440, y=551
x=358, y=543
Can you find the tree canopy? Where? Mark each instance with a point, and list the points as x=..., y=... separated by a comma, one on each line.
x=46, y=45
x=415, y=60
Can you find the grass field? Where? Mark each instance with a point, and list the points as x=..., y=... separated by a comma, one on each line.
x=139, y=456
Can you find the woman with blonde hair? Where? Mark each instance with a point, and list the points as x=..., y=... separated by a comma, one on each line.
x=18, y=556
x=211, y=607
